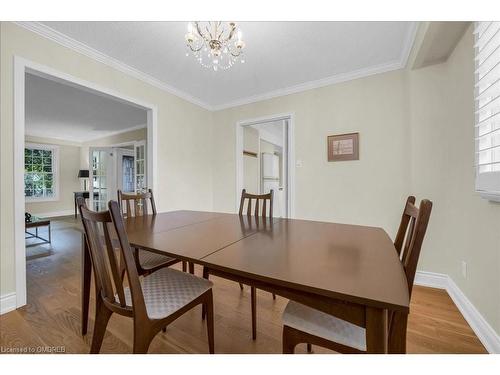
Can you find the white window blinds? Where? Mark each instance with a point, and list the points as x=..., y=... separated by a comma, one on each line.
x=487, y=106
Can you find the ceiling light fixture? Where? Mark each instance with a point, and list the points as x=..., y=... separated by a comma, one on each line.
x=215, y=45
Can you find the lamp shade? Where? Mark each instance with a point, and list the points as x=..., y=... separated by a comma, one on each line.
x=83, y=173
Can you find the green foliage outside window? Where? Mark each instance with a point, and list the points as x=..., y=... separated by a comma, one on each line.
x=38, y=173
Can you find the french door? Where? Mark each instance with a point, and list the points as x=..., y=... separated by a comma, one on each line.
x=102, y=178
x=140, y=178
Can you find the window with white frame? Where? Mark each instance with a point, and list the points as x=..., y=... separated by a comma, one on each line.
x=40, y=172
x=487, y=108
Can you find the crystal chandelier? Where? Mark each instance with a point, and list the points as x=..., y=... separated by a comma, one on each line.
x=216, y=45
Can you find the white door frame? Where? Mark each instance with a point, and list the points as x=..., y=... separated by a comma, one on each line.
x=21, y=66
x=290, y=150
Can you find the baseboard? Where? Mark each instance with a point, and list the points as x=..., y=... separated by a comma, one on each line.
x=486, y=334
x=7, y=303
x=431, y=279
x=55, y=213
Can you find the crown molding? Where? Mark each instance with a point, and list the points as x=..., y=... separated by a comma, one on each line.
x=66, y=41
x=82, y=48
x=337, y=78
x=69, y=141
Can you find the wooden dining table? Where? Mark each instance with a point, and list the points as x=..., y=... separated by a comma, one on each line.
x=350, y=271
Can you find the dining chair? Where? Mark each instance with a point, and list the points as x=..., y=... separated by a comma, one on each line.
x=132, y=205
x=302, y=324
x=262, y=201
x=153, y=302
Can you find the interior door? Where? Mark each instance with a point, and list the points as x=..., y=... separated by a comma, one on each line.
x=140, y=172
x=102, y=178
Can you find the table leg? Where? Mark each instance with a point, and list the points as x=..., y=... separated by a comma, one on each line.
x=397, y=333
x=86, y=274
x=376, y=330
x=50, y=238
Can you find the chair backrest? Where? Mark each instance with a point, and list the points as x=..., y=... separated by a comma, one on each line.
x=410, y=236
x=136, y=204
x=105, y=234
x=408, y=244
x=262, y=197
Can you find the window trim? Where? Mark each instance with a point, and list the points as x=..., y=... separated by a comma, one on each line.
x=55, y=171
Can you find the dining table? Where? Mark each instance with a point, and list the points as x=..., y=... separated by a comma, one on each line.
x=352, y=272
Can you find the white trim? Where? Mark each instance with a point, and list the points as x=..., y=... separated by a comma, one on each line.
x=408, y=44
x=338, y=78
x=21, y=65
x=73, y=142
x=116, y=132
x=55, y=171
x=56, y=213
x=64, y=40
x=290, y=149
x=485, y=333
x=7, y=303
x=431, y=279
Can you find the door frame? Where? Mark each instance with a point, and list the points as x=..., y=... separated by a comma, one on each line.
x=21, y=67
x=290, y=153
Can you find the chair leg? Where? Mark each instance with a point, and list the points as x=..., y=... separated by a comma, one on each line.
x=209, y=306
x=184, y=266
x=203, y=307
x=288, y=342
x=309, y=348
x=253, y=298
x=102, y=315
x=142, y=338
x=274, y=296
x=241, y=286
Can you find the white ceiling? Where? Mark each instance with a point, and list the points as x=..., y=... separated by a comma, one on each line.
x=61, y=111
x=281, y=57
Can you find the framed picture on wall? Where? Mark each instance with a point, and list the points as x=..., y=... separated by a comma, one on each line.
x=343, y=147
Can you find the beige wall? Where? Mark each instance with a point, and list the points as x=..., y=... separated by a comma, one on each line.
x=68, y=166
x=184, y=132
x=416, y=137
x=464, y=227
x=368, y=191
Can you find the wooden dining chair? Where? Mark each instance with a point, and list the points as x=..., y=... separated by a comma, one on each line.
x=260, y=209
x=153, y=302
x=132, y=205
x=302, y=324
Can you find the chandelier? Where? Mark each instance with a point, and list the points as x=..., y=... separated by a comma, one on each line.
x=215, y=45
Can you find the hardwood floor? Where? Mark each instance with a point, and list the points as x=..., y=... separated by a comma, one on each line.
x=52, y=316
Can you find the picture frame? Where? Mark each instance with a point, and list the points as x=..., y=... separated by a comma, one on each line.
x=343, y=147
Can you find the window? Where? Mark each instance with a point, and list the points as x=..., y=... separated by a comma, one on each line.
x=487, y=108
x=40, y=172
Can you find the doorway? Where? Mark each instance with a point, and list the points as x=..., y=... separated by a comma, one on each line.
x=21, y=68
x=117, y=167
x=264, y=156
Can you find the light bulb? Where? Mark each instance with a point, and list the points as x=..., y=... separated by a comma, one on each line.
x=190, y=27
x=239, y=34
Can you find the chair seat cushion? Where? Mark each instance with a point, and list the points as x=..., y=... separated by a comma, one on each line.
x=168, y=290
x=149, y=260
x=318, y=323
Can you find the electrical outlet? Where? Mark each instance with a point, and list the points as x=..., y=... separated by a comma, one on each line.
x=464, y=269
